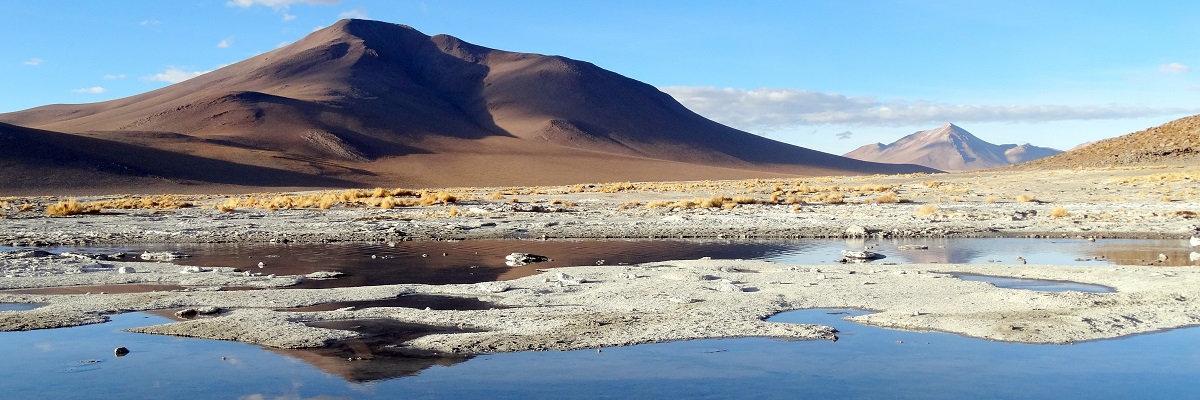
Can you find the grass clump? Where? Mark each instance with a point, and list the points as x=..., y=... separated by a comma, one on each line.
x=1026, y=199
x=1059, y=212
x=928, y=209
x=68, y=207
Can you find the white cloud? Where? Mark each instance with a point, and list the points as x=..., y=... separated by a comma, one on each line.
x=174, y=75
x=768, y=109
x=34, y=61
x=357, y=12
x=225, y=43
x=276, y=4
x=114, y=76
x=150, y=22
x=288, y=17
x=90, y=90
x=1174, y=68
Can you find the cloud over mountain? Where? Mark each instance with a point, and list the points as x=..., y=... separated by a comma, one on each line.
x=770, y=109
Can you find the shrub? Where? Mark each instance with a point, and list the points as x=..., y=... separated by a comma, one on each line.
x=453, y=211
x=991, y=200
x=927, y=209
x=64, y=208
x=1026, y=199
x=496, y=196
x=1059, y=212
x=887, y=198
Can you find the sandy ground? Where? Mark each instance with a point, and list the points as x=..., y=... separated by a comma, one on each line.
x=598, y=306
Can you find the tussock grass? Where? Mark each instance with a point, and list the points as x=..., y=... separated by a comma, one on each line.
x=1026, y=199
x=927, y=209
x=888, y=197
x=1059, y=212
x=68, y=207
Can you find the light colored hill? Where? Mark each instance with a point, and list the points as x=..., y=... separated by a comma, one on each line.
x=1173, y=143
x=949, y=148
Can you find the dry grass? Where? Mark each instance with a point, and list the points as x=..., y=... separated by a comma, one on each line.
x=888, y=197
x=991, y=199
x=928, y=209
x=1026, y=199
x=1059, y=212
x=68, y=207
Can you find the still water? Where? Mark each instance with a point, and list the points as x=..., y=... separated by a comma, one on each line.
x=866, y=362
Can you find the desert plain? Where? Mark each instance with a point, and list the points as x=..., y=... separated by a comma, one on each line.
x=594, y=306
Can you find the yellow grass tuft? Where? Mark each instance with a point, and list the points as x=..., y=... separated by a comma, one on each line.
x=65, y=208
x=1026, y=199
x=927, y=209
x=453, y=211
x=1059, y=212
x=991, y=200
x=888, y=197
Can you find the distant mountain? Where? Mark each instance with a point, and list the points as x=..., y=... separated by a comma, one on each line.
x=377, y=103
x=949, y=148
x=1173, y=143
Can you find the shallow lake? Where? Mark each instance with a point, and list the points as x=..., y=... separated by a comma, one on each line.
x=866, y=362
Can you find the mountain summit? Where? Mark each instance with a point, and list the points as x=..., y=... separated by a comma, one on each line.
x=949, y=148
x=384, y=104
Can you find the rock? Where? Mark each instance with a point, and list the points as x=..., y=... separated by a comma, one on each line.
x=324, y=275
x=627, y=275
x=208, y=310
x=519, y=259
x=120, y=351
x=861, y=255
x=262, y=265
x=187, y=313
x=1162, y=257
x=25, y=254
x=191, y=270
x=565, y=279
x=856, y=231
x=162, y=256
x=728, y=286
x=492, y=287
x=125, y=270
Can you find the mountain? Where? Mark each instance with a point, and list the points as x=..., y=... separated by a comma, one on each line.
x=375, y=103
x=1173, y=143
x=949, y=148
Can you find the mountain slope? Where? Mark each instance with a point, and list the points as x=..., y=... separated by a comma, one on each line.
x=1173, y=143
x=380, y=103
x=949, y=148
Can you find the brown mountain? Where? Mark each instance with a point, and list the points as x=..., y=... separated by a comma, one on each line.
x=1173, y=143
x=949, y=148
x=374, y=103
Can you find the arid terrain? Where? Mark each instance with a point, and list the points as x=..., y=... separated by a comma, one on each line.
x=597, y=306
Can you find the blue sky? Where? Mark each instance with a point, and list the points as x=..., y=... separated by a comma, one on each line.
x=828, y=75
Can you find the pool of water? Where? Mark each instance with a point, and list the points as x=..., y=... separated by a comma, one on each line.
x=1041, y=285
x=866, y=362
x=469, y=261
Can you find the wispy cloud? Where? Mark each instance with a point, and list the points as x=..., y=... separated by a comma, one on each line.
x=844, y=135
x=225, y=43
x=34, y=62
x=288, y=17
x=276, y=4
x=768, y=109
x=90, y=90
x=112, y=77
x=1174, y=68
x=174, y=75
x=150, y=22
x=357, y=12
